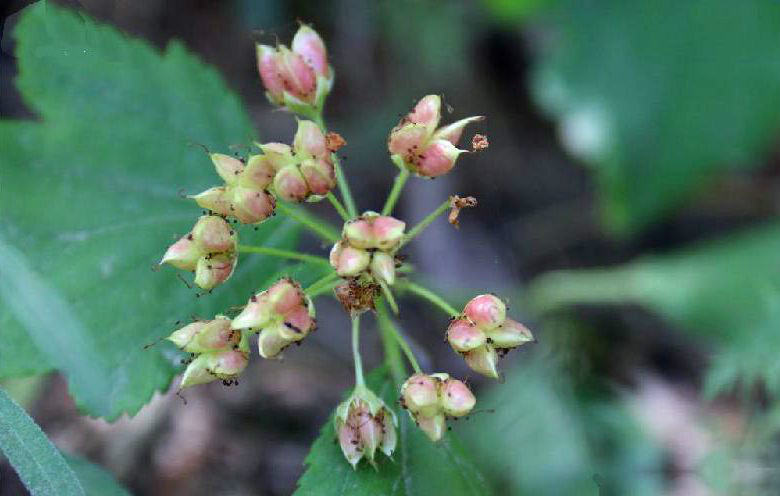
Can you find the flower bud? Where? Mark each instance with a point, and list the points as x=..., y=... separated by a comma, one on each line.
x=483, y=360
x=206, y=336
x=227, y=167
x=363, y=425
x=349, y=261
x=278, y=155
x=510, y=334
x=227, y=364
x=252, y=206
x=438, y=158
x=309, y=140
x=432, y=426
x=214, y=234
x=464, y=336
x=420, y=394
x=285, y=295
x=290, y=185
x=270, y=342
x=213, y=271
x=310, y=46
x=388, y=231
x=427, y=112
x=319, y=174
x=359, y=233
x=456, y=398
x=183, y=254
x=383, y=267
x=407, y=141
x=258, y=173
x=486, y=311
x=219, y=200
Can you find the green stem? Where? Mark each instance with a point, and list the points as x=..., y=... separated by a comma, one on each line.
x=337, y=205
x=359, y=380
x=398, y=186
x=278, y=252
x=393, y=340
x=317, y=225
x=389, y=296
x=341, y=179
x=416, y=230
x=322, y=285
x=429, y=295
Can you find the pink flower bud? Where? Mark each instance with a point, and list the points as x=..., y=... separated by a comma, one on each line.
x=290, y=184
x=349, y=440
x=258, y=173
x=407, y=140
x=310, y=46
x=349, y=261
x=300, y=322
x=183, y=254
x=319, y=175
x=427, y=112
x=383, y=267
x=464, y=336
x=268, y=66
x=285, y=295
x=197, y=372
x=486, y=311
x=420, y=395
x=359, y=233
x=214, y=235
x=227, y=167
x=436, y=159
x=432, y=426
x=256, y=314
x=182, y=337
x=228, y=364
x=270, y=342
x=510, y=334
x=252, y=206
x=388, y=231
x=215, y=270
x=456, y=398
x=483, y=360
x=309, y=140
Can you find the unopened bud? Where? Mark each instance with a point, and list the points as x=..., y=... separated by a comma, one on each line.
x=309, y=140
x=206, y=336
x=456, y=398
x=310, y=46
x=364, y=425
x=486, y=311
x=258, y=173
x=208, y=367
x=215, y=270
x=214, y=234
x=319, y=175
x=383, y=267
x=510, y=334
x=437, y=159
x=278, y=155
x=219, y=200
x=359, y=233
x=432, y=426
x=183, y=254
x=290, y=185
x=420, y=394
x=349, y=261
x=388, y=231
x=427, y=112
x=464, y=336
x=251, y=206
x=483, y=360
x=285, y=295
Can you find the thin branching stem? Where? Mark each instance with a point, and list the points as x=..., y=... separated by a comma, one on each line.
x=359, y=380
x=395, y=192
x=337, y=205
x=430, y=296
x=341, y=179
x=392, y=338
x=315, y=224
x=289, y=254
x=416, y=230
x=322, y=285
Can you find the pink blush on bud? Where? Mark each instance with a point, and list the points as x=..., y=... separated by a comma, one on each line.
x=486, y=311
x=437, y=159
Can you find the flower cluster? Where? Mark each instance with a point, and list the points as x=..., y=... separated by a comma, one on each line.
x=429, y=399
x=217, y=351
x=367, y=247
x=282, y=315
x=209, y=250
x=364, y=424
x=363, y=262
x=422, y=148
x=484, y=331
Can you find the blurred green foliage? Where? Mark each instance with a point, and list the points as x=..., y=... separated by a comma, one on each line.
x=659, y=97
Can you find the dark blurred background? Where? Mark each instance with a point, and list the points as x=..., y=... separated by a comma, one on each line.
x=617, y=130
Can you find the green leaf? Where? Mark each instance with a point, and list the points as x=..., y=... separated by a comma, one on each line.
x=91, y=201
x=38, y=463
x=661, y=96
x=419, y=467
x=726, y=290
x=95, y=480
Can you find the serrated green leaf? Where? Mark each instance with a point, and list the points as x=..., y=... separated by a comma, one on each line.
x=90, y=201
x=38, y=463
x=661, y=96
x=419, y=467
x=95, y=480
